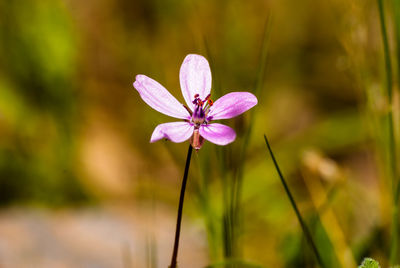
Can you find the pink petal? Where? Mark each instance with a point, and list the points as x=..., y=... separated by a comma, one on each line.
x=175, y=132
x=217, y=133
x=231, y=105
x=195, y=78
x=156, y=96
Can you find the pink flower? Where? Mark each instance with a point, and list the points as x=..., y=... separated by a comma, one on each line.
x=195, y=79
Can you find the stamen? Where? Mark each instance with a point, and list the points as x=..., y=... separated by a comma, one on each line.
x=208, y=96
x=210, y=102
x=187, y=109
x=196, y=96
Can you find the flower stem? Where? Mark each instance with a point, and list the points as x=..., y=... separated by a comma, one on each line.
x=180, y=208
x=299, y=217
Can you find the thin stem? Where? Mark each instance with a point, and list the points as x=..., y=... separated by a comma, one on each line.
x=389, y=89
x=386, y=50
x=394, y=248
x=180, y=209
x=299, y=217
x=396, y=13
x=392, y=142
x=235, y=212
x=258, y=85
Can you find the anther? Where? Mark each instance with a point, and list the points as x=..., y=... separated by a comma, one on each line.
x=210, y=102
x=196, y=96
x=208, y=96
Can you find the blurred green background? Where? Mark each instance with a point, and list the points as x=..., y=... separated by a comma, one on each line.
x=74, y=133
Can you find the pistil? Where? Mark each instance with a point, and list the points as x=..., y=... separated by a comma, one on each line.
x=201, y=110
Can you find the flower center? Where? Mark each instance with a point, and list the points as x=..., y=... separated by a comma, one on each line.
x=201, y=110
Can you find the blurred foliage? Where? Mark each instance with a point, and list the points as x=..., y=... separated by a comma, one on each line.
x=38, y=104
x=73, y=129
x=369, y=263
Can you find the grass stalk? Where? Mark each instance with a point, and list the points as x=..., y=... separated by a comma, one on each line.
x=396, y=15
x=304, y=227
x=180, y=209
x=394, y=247
x=227, y=236
x=257, y=88
x=386, y=50
x=237, y=180
x=232, y=182
x=205, y=201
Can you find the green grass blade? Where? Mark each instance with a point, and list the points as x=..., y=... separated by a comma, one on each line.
x=293, y=203
x=394, y=248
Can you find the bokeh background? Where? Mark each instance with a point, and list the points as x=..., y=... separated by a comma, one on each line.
x=81, y=186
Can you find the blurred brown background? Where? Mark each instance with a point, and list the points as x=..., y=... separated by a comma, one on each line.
x=81, y=186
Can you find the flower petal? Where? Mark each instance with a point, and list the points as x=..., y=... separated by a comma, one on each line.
x=156, y=96
x=231, y=105
x=174, y=131
x=217, y=133
x=195, y=78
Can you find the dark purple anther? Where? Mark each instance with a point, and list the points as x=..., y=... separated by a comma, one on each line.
x=198, y=116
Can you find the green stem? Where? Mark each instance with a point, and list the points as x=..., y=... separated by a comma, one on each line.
x=180, y=209
x=386, y=50
x=396, y=13
x=394, y=247
x=258, y=85
x=392, y=142
x=306, y=231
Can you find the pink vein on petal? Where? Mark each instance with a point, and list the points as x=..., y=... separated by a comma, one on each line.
x=174, y=131
x=217, y=133
x=231, y=105
x=195, y=78
x=157, y=97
